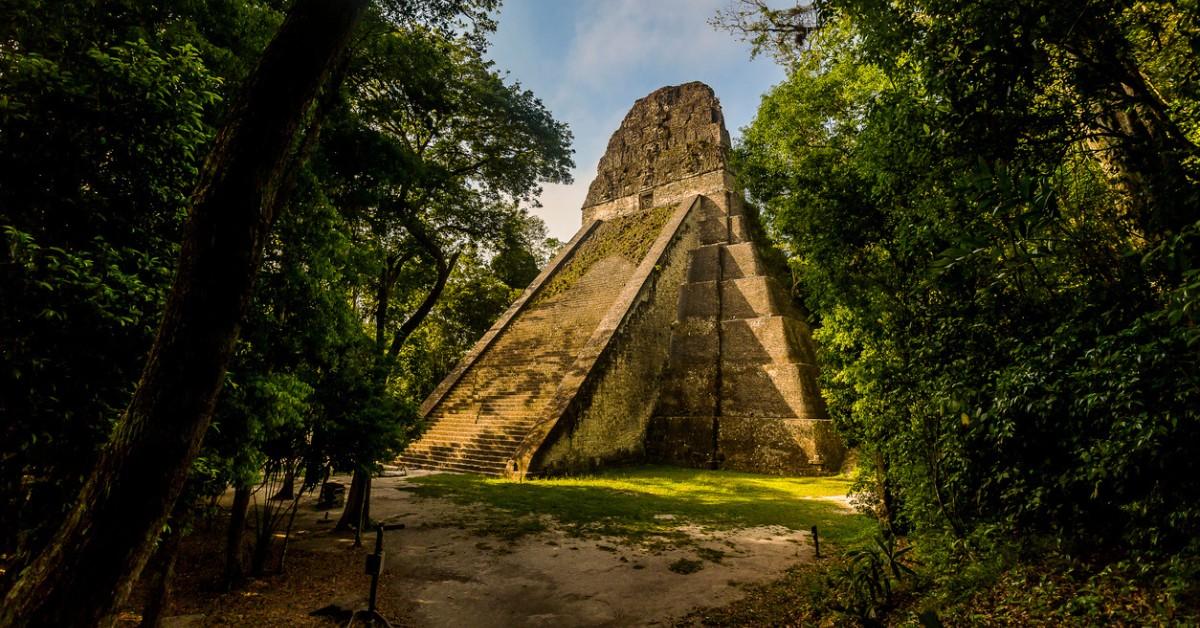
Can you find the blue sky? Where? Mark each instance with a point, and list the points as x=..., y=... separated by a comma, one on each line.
x=588, y=60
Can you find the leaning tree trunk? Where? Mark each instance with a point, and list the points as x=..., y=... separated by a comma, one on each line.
x=358, y=501
x=85, y=573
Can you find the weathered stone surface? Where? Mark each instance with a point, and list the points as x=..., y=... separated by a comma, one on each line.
x=705, y=264
x=740, y=261
x=603, y=407
x=781, y=446
x=686, y=440
x=787, y=390
x=649, y=337
x=673, y=134
x=699, y=300
x=714, y=222
x=738, y=230
x=766, y=340
x=752, y=297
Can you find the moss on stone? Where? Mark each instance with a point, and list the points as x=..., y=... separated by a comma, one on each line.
x=629, y=236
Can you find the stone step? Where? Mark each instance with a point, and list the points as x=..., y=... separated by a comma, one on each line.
x=448, y=465
x=704, y=263
x=498, y=431
x=454, y=453
x=451, y=441
x=754, y=297
x=502, y=351
x=495, y=431
x=767, y=340
x=442, y=413
x=474, y=430
x=508, y=382
x=778, y=390
x=506, y=397
x=470, y=421
x=493, y=411
x=455, y=468
x=501, y=396
x=510, y=422
x=490, y=433
x=698, y=299
x=479, y=396
x=499, y=384
x=740, y=260
x=532, y=365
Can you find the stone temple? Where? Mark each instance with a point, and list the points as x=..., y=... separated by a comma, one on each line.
x=662, y=332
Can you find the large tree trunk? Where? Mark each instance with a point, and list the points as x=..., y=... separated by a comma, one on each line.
x=287, y=491
x=87, y=569
x=358, y=503
x=1141, y=148
x=234, y=569
x=162, y=570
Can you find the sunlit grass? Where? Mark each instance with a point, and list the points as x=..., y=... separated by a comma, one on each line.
x=635, y=502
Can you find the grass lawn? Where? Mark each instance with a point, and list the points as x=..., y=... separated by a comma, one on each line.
x=631, y=502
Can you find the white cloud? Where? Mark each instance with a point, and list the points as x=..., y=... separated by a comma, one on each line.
x=619, y=38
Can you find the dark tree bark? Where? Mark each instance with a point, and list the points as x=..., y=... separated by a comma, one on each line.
x=263, y=545
x=444, y=267
x=234, y=569
x=162, y=567
x=414, y=320
x=356, y=501
x=287, y=491
x=99, y=550
x=1139, y=145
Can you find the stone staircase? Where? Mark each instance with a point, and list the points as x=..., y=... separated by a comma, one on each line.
x=480, y=422
x=696, y=357
x=740, y=390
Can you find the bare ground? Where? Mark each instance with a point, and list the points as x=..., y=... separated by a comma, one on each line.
x=450, y=566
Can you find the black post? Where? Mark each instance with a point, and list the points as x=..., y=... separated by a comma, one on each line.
x=816, y=543
x=379, y=569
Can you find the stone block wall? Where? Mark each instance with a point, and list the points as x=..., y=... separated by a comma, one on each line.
x=606, y=418
x=665, y=331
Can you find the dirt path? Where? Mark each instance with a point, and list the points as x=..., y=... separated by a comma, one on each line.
x=439, y=574
x=458, y=565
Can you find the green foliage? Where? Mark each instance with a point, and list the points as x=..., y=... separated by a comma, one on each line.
x=865, y=584
x=99, y=146
x=474, y=298
x=522, y=252
x=1003, y=279
x=106, y=111
x=431, y=157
